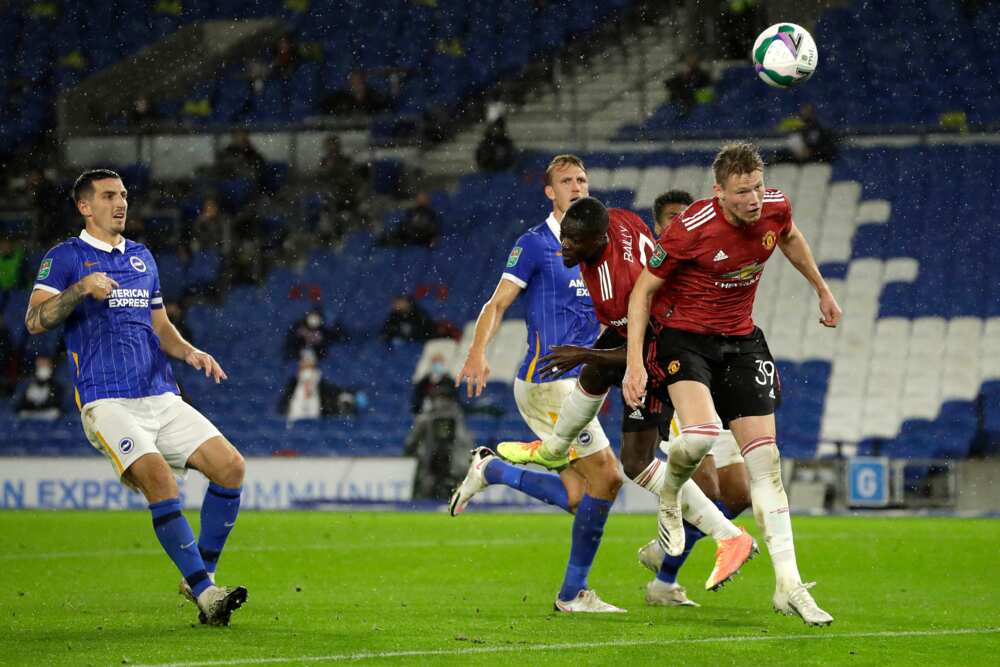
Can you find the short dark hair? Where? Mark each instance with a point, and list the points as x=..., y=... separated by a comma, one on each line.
x=737, y=158
x=670, y=197
x=588, y=215
x=83, y=187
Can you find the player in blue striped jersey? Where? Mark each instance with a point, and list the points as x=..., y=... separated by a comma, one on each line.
x=105, y=289
x=559, y=312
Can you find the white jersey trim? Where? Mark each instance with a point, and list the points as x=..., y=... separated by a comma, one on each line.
x=514, y=279
x=604, y=273
x=700, y=218
x=46, y=288
x=89, y=239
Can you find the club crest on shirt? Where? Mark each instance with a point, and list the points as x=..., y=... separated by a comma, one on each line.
x=515, y=255
x=137, y=264
x=45, y=269
x=673, y=367
x=769, y=240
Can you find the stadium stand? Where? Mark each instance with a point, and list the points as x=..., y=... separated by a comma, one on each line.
x=886, y=77
x=913, y=371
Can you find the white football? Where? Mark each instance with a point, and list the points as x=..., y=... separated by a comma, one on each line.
x=785, y=55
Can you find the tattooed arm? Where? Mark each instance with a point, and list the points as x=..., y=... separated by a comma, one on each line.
x=47, y=311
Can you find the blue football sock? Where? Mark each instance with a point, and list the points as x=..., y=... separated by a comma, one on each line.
x=671, y=565
x=726, y=512
x=218, y=514
x=544, y=486
x=588, y=528
x=177, y=538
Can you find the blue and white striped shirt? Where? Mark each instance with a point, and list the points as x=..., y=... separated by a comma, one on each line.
x=112, y=348
x=558, y=306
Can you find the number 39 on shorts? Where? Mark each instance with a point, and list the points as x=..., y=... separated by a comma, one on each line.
x=765, y=374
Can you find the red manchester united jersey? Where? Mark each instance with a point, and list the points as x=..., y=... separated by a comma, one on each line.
x=712, y=268
x=610, y=278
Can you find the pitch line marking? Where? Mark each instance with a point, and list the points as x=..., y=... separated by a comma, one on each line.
x=514, y=648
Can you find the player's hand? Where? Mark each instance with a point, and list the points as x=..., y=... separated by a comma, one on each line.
x=475, y=371
x=203, y=361
x=561, y=359
x=830, y=310
x=634, y=385
x=98, y=285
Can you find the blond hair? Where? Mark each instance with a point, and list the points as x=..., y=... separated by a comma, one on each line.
x=738, y=158
x=560, y=162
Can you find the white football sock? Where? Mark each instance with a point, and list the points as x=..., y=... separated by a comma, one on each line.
x=577, y=410
x=702, y=513
x=651, y=478
x=770, y=508
x=687, y=451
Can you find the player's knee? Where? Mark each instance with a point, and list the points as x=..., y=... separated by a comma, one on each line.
x=235, y=469
x=699, y=439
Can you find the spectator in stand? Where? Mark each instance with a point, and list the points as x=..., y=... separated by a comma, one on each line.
x=42, y=397
x=407, y=322
x=241, y=159
x=142, y=115
x=308, y=396
x=436, y=381
x=809, y=140
x=358, y=98
x=347, y=186
x=213, y=229
x=691, y=85
x=49, y=205
x=12, y=268
x=420, y=225
x=311, y=333
x=286, y=57
x=496, y=150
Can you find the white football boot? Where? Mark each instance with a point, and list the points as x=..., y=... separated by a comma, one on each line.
x=651, y=556
x=587, y=602
x=217, y=603
x=662, y=594
x=474, y=481
x=798, y=602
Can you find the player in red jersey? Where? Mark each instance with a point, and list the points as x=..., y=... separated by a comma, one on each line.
x=699, y=288
x=611, y=248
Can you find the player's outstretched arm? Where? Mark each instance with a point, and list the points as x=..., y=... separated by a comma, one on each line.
x=46, y=311
x=797, y=250
x=634, y=382
x=561, y=359
x=173, y=343
x=475, y=371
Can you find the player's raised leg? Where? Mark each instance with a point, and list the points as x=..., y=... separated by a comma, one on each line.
x=756, y=436
x=219, y=461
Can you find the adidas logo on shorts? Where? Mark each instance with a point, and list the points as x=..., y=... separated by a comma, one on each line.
x=636, y=415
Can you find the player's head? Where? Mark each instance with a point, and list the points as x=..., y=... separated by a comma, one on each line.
x=584, y=231
x=668, y=206
x=102, y=200
x=739, y=182
x=565, y=182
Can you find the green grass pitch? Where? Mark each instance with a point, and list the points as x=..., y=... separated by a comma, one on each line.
x=411, y=588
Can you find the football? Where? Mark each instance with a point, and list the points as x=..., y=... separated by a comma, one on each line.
x=785, y=55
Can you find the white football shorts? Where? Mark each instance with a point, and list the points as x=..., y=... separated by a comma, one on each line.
x=539, y=404
x=125, y=429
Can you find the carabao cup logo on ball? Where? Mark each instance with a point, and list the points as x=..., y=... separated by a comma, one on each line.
x=785, y=55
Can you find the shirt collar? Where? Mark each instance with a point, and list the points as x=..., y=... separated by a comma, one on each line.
x=554, y=225
x=89, y=239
